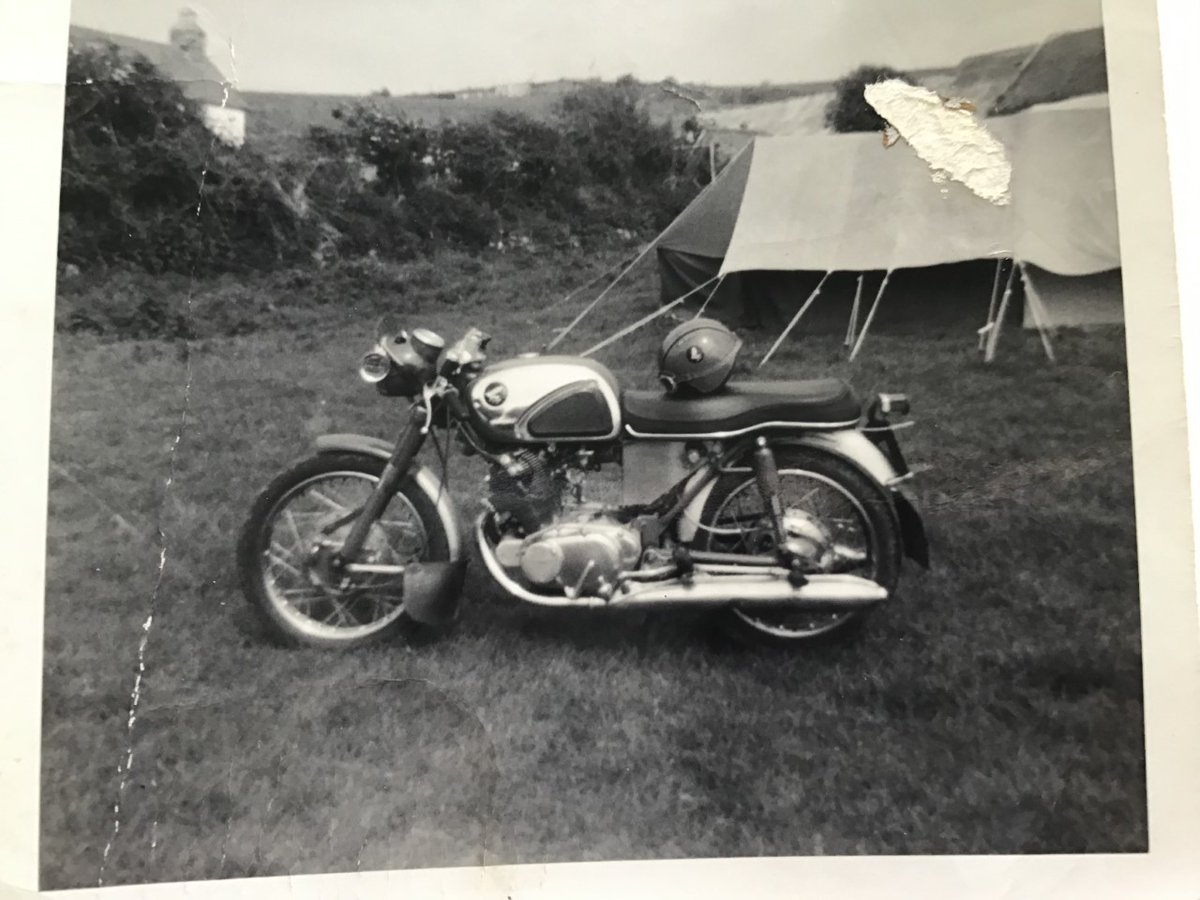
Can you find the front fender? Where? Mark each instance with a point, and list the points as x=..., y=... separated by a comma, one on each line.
x=424, y=477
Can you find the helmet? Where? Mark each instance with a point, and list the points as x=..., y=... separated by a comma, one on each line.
x=697, y=356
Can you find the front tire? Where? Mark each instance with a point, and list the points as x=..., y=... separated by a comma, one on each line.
x=294, y=525
x=854, y=510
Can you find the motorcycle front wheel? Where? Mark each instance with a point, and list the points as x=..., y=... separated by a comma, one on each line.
x=286, y=550
x=844, y=521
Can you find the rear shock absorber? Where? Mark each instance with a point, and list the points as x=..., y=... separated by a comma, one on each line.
x=766, y=475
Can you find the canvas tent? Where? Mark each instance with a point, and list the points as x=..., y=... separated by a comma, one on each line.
x=791, y=206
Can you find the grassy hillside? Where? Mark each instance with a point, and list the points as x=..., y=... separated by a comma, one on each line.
x=1065, y=66
x=994, y=708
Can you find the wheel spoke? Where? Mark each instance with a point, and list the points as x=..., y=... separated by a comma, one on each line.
x=332, y=504
x=277, y=559
x=339, y=612
x=291, y=520
x=305, y=595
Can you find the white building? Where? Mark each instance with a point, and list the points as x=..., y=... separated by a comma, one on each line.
x=184, y=61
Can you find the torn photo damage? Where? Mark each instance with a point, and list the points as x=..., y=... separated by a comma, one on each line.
x=510, y=433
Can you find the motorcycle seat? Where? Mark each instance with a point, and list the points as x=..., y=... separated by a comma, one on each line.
x=742, y=407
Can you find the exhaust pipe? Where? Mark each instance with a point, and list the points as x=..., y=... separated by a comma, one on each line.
x=821, y=593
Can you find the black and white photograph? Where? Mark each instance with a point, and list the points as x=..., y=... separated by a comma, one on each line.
x=488, y=434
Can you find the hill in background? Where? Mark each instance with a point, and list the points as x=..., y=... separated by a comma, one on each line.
x=999, y=83
x=276, y=119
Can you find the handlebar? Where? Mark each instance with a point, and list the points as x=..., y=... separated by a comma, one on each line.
x=465, y=353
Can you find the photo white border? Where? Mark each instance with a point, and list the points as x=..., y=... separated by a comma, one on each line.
x=32, y=65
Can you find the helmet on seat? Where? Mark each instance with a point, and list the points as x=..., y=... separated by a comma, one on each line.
x=697, y=356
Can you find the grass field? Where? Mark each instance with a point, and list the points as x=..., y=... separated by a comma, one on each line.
x=994, y=708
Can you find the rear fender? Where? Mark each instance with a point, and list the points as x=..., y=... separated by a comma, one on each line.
x=426, y=480
x=912, y=530
x=857, y=449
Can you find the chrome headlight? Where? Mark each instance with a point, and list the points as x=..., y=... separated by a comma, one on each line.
x=374, y=367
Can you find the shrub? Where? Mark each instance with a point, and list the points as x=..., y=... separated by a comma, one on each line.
x=849, y=110
x=145, y=182
x=600, y=166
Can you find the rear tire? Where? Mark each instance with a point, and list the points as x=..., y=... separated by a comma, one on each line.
x=296, y=607
x=862, y=498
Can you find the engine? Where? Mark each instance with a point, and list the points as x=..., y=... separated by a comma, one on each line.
x=522, y=485
x=578, y=551
x=581, y=556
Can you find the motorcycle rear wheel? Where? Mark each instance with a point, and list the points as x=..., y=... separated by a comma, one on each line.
x=299, y=519
x=852, y=506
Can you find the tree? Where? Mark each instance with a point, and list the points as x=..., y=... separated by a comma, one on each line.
x=849, y=110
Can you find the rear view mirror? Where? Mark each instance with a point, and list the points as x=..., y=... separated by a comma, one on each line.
x=388, y=326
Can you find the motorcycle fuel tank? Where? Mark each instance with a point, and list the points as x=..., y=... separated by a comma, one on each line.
x=547, y=398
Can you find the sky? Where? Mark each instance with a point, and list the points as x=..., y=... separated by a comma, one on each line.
x=409, y=46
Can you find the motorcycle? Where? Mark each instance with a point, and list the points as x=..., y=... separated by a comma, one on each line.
x=779, y=505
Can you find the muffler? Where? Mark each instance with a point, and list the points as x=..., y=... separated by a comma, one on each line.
x=820, y=593
x=757, y=587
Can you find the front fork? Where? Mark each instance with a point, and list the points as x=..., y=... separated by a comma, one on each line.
x=412, y=436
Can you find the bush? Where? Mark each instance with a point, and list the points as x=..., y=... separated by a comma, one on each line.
x=849, y=110
x=600, y=166
x=145, y=182
x=149, y=194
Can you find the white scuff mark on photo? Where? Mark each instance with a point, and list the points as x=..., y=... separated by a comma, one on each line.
x=946, y=135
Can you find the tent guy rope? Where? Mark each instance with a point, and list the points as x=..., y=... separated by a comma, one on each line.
x=796, y=318
x=583, y=287
x=637, y=259
x=604, y=293
x=661, y=311
x=1037, y=309
x=711, y=294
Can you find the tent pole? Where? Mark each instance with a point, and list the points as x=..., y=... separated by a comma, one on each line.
x=991, y=316
x=662, y=310
x=862, y=335
x=796, y=318
x=642, y=255
x=853, y=326
x=1041, y=316
x=994, y=334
